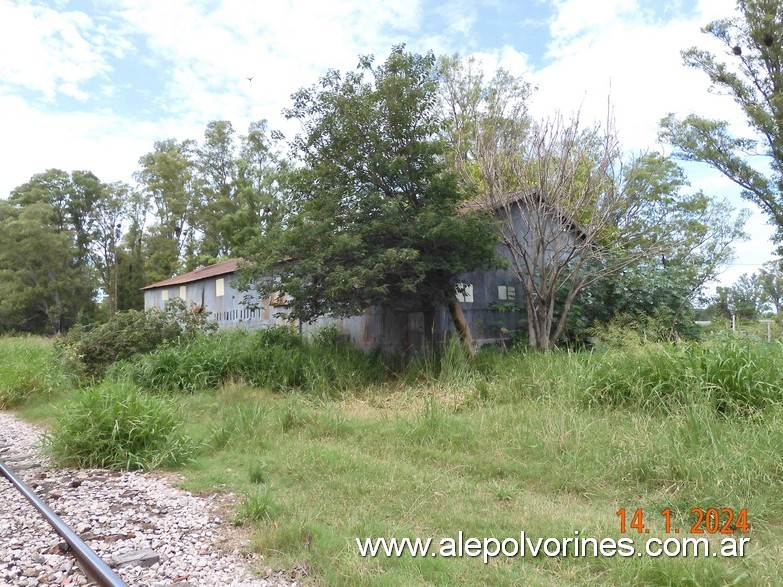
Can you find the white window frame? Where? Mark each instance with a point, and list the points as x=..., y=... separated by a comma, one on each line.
x=507, y=293
x=465, y=293
x=220, y=287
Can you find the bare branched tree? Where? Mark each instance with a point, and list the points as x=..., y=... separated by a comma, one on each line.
x=568, y=216
x=570, y=211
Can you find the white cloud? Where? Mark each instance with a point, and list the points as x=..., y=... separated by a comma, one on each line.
x=205, y=50
x=209, y=49
x=635, y=62
x=617, y=52
x=44, y=140
x=51, y=52
x=577, y=17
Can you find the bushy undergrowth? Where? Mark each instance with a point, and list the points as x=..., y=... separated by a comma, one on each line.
x=115, y=426
x=89, y=351
x=732, y=374
x=28, y=369
x=274, y=358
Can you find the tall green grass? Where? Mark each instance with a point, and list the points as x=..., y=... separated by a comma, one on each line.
x=546, y=443
x=275, y=359
x=734, y=375
x=317, y=473
x=115, y=426
x=29, y=370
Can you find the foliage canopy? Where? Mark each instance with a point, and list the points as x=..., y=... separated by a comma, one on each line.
x=375, y=220
x=752, y=75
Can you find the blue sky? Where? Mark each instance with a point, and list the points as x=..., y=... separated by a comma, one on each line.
x=92, y=84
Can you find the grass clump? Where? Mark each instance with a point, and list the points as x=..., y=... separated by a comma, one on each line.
x=257, y=506
x=29, y=369
x=741, y=373
x=115, y=426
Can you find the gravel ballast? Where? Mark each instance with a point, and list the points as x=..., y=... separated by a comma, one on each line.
x=150, y=532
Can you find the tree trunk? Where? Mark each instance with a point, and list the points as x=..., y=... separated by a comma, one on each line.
x=428, y=334
x=462, y=326
x=539, y=325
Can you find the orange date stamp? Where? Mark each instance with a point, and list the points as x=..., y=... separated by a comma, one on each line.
x=707, y=521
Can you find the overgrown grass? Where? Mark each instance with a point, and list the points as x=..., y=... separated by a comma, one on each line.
x=734, y=375
x=115, y=426
x=319, y=473
x=29, y=370
x=276, y=359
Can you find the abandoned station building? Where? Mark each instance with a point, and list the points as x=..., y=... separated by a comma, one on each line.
x=491, y=302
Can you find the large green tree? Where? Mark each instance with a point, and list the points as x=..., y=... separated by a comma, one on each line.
x=216, y=166
x=259, y=185
x=658, y=291
x=60, y=210
x=73, y=197
x=43, y=287
x=771, y=280
x=375, y=219
x=168, y=178
x=751, y=73
x=111, y=213
x=744, y=299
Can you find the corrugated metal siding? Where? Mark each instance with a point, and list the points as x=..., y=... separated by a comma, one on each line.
x=377, y=328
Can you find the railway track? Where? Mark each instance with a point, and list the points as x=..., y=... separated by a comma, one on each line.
x=90, y=563
x=144, y=531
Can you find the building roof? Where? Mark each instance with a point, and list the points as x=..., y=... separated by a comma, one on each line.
x=504, y=201
x=496, y=203
x=229, y=266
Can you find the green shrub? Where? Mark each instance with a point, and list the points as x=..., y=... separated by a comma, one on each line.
x=28, y=369
x=115, y=426
x=90, y=351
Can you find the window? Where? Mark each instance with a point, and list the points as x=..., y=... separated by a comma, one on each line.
x=183, y=291
x=164, y=295
x=507, y=292
x=278, y=299
x=220, y=288
x=465, y=292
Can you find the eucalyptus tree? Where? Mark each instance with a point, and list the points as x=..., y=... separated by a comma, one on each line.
x=751, y=73
x=42, y=288
x=73, y=197
x=168, y=178
x=259, y=188
x=216, y=166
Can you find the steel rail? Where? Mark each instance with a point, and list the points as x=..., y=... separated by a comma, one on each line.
x=95, y=569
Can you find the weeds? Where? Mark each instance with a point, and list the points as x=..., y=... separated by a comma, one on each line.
x=29, y=370
x=275, y=359
x=115, y=426
x=551, y=444
x=257, y=506
x=90, y=351
x=734, y=375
